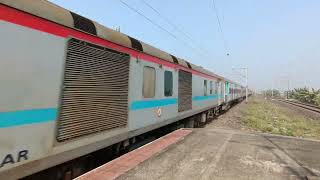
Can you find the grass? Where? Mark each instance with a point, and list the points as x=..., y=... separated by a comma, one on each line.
x=265, y=116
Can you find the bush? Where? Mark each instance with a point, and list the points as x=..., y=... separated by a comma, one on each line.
x=317, y=100
x=268, y=93
x=305, y=95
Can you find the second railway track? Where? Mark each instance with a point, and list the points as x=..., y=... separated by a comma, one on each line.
x=309, y=107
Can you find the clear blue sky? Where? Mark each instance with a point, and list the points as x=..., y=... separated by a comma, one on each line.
x=274, y=39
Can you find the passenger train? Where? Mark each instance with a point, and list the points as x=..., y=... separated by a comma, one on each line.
x=70, y=87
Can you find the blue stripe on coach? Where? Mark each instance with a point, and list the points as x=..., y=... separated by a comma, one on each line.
x=144, y=104
x=201, y=98
x=23, y=117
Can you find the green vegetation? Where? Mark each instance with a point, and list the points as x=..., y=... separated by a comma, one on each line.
x=306, y=95
x=268, y=117
x=268, y=93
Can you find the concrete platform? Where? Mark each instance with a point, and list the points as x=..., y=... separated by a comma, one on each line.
x=119, y=166
x=211, y=153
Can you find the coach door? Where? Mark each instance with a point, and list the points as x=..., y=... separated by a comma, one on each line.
x=184, y=91
x=220, y=92
x=227, y=88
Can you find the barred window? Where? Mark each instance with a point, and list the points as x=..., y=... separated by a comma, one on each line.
x=168, y=83
x=205, y=87
x=149, y=82
x=216, y=88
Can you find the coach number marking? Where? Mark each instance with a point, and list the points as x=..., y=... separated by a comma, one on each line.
x=9, y=158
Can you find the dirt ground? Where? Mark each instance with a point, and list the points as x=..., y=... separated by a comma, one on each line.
x=231, y=119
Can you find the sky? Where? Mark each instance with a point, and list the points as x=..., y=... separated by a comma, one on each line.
x=278, y=41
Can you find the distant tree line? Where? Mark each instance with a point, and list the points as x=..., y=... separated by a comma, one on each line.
x=268, y=93
x=305, y=95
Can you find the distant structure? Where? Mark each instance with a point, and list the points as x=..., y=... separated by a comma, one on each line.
x=117, y=28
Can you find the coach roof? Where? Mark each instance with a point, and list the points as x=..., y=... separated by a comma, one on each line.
x=59, y=15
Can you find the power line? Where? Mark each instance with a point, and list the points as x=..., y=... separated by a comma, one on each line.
x=220, y=27
x=172, y=24
x=148, y=19
x=157, y=25
x=166, y=19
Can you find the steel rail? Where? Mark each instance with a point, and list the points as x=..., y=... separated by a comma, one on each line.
x=310, y=107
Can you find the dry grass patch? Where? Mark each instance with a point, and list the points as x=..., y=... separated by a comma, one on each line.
x=265, y=116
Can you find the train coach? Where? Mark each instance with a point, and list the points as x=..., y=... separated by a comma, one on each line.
x=70, y=86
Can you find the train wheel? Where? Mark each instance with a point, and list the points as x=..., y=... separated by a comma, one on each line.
x=189, y=123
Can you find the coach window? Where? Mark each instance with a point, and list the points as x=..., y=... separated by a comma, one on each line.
x=168, y=83
x=205, y=87
x=211, y=87
x=216, y=88
x=149, y=78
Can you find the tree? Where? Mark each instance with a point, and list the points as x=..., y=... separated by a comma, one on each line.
x=317, y=99
x=268, y=93
x=306, y=95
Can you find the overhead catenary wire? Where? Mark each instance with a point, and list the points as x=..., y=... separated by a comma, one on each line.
x=159, y=26
x=176, y=27
x=220, y=27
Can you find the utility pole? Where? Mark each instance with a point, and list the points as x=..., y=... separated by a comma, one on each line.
x=288, y=88
x=117, y=28
x=286, y=79
x=272, y=89
x=246, y=69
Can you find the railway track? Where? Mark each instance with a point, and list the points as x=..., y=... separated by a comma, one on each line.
x=309, y=107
